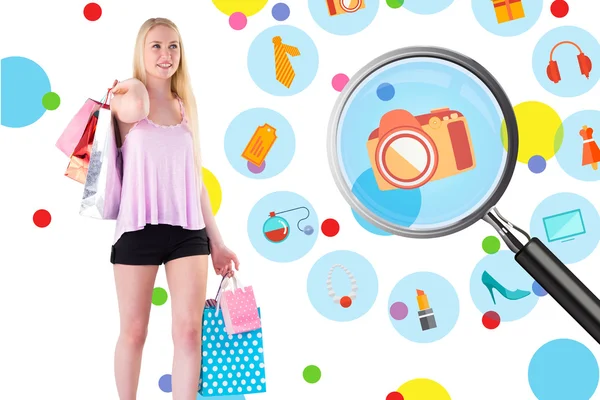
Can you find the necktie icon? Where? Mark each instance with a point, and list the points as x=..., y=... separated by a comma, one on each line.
x=284, y=72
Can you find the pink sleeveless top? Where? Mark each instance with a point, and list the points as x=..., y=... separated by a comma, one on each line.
x=159, y=182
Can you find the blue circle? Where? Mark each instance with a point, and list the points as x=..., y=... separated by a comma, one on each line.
x=426, y=7
x=443, y=302
x=563, y=369
x=280, y=11
x=298, y=243
x=164, y=383
x=261, y=60
x=385, y=91
x=333, y=19
x=572, y=82
x=24, y=83
x=366, y=283
x=538, y=290
x=243, y=128
x=568, y=224
x=525, y=14
x=502, y=268
x=537, y=164
x=369, y=227
x=423, y=85
x=570, y=152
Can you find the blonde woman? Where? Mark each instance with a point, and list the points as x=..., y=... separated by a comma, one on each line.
x=165, y=215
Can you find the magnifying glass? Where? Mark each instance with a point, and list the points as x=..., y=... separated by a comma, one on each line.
x=422, y=143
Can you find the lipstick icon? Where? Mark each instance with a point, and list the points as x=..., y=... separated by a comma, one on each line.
x=425, y=312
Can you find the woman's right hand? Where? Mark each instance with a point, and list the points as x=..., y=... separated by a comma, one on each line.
x=119, y=88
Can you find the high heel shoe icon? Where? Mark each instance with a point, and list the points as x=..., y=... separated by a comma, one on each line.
x=491, y=283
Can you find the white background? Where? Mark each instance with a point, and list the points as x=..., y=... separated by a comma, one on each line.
x=59, y=319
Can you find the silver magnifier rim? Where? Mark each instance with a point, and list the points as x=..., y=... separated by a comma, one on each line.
x=442, y=54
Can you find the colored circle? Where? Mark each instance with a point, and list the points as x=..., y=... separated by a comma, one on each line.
x=332, y=17
x=213, y=187
x=24, y=84
x=247, y=7
x=538, y=290
x=345, y=302
x=280, y=11
x=419, y=389
x=394, y=395
x=237, y=21
x=434, y=312
x=539, y=129
x=165, y=384
x=496, y=18
x=385, y=92
x=297, y=213
x=42, y=218
x=51, y=101
x=395, y=3
x=568, y=224
x=574, y=155
x=491, y=244
x=559, y=8
x=563, y=369
x=311, y=374
x=298, y=61
x=366, y=285
x=398, y=311
x=268, y=128
x=491, y=320
x=159, y=296
x=92, y=12
x=572, y=82
x=330, y=227
x=339, y=81
x=427, y=7
x=369, y=227
x=498, y=273
x=536, y=164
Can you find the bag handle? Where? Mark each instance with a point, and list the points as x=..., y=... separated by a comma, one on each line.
x=235, y=282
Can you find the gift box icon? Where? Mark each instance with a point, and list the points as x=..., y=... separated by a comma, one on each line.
x=508, y=10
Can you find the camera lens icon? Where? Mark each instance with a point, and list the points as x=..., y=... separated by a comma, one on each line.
x=408, y=151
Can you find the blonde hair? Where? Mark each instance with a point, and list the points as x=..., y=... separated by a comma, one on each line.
x=180, y=81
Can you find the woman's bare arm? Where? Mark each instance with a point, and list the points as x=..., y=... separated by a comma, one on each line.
x=212, y=231
x=131, y=102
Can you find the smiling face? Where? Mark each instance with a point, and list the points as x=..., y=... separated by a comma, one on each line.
x=161, y=52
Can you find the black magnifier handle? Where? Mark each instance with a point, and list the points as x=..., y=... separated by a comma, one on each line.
x=551, y=274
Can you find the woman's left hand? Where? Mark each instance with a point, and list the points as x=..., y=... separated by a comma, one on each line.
x=224, y=260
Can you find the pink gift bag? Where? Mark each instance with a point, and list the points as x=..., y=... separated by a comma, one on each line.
x=240, y=312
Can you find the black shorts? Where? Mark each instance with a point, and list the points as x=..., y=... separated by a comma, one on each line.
x=158, y=244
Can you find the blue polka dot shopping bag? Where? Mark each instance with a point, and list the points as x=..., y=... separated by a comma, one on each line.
x=232, y=364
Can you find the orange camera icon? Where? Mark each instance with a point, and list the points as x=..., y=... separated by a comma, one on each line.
x=339, y=7
x=407, y=151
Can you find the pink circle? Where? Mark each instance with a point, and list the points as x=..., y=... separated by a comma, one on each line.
x=339, y=81
x=237, y=21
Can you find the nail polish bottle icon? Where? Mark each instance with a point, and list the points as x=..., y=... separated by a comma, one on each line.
x=426, y=316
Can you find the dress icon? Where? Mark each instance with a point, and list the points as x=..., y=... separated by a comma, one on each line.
x=591, y=152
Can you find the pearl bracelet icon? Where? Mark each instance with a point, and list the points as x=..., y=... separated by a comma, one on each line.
x=344, y=301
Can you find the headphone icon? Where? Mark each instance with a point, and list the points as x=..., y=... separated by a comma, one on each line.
x=585, y=64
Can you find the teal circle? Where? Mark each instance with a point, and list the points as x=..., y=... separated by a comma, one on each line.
x=24, y=83
x=485, y=14
x=427, y=7
x=261, y=60
x=242, y=129
x=342, y=23
x=570, y=153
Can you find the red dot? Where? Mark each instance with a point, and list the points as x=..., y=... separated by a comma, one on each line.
x=330, y=227
x=559, y=8
x=345, y=302
x=491, y=320
x=394, y=396
x=42, y=218
x=92, y=12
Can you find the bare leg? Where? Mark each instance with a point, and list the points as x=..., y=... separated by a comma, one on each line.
x=187, y=285
x=134, y=284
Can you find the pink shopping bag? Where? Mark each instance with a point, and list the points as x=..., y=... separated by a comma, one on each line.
x=68, y=140
x=240, y=312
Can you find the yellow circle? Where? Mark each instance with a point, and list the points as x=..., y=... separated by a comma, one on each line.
x=540, y=131
x=214, y=189
x=246, y=7
x=423, y=389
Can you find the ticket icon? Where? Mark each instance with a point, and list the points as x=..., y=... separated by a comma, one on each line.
x=260, y=144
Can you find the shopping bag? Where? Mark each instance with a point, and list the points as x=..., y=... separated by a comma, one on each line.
x=102, y=186
x=238, y=305
x=231, y=364
x=71, y=136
